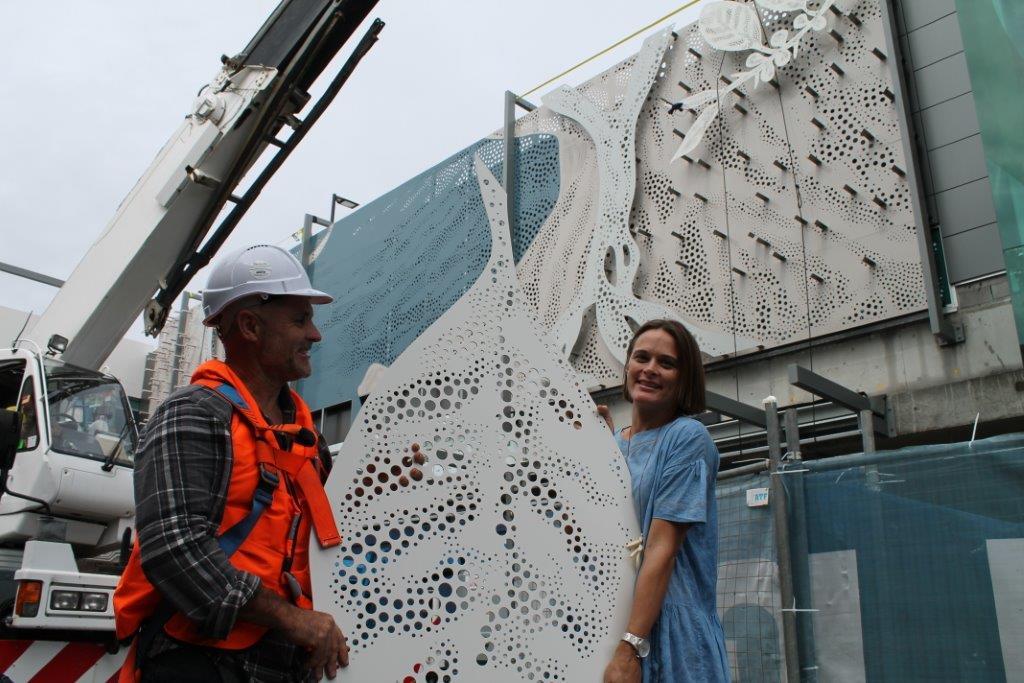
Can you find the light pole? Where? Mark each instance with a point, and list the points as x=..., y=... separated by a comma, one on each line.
x=307, y=236
x=338, y=199
x=310, y=220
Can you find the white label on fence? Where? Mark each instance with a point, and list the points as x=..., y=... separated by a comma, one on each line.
x=757, y=498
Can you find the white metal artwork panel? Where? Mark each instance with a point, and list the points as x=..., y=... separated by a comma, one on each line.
x=772, y=202
x=507, y=560
x=611, y=260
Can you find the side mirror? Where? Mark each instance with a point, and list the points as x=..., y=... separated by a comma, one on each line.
x=9, y=424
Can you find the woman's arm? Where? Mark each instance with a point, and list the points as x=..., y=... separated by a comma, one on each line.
x=660, y=551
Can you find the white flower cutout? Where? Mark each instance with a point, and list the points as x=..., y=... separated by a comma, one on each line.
x=733, y=27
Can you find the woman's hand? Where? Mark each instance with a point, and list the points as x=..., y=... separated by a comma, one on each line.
x=409, y=462
x=603, y=411
x=624, y=667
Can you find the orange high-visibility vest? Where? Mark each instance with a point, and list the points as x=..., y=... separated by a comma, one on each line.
x=265, y=525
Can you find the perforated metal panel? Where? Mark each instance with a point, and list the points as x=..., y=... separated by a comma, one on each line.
x=507, y=560
x=402, y=260
x=792, y=215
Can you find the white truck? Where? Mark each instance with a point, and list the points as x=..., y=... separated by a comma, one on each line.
x=67, y=434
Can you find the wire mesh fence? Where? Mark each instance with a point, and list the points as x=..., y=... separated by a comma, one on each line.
x=748, y=580
x=907, y=565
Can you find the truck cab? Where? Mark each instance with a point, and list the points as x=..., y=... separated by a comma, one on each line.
x=66, y=480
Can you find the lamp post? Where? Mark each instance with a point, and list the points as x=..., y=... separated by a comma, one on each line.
x=338, y=199
x=307, y=236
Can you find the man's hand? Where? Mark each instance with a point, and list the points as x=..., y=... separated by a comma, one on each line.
x=317, y=633
x=624, y=667
x=603, y=411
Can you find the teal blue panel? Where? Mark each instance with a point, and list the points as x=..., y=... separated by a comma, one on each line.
x=993, y=34
x=401, y=261
x=919, y=521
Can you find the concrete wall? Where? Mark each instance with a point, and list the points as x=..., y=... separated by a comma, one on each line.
x=952, y=161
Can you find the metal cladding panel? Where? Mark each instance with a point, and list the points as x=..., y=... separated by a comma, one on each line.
x=918, y=13
x=974, y=253
x=941, y=81
x=761, y=214
x=399, y=262
x=950, y=121
x=958, y=163
x=760, y=193
x=507, y=560
x=966, y=207
x=936, y=41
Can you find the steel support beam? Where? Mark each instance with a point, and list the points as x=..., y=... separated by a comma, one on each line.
x=814, y=383
x=866, y=420
x=780, y=521
x=708, y=417
x=509, y=170
x=945, y=331
x=799, y=554
x=736, y=410
x=792, y=425
x=31, y=275
x=528, y=106
x=508, y=174
x=307, y=237
x=752, y=468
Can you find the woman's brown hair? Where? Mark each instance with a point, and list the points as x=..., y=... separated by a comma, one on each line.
x=690, y=393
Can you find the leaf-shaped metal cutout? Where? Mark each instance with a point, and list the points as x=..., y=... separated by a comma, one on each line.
x=465, y=538
x=730, y=26
x=696, y=132
x=698, y=100
x=783, y=5
x=755, y=59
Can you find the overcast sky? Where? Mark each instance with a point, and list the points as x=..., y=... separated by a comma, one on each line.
x=92, y=90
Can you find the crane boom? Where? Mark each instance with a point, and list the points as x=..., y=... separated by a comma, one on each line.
x=158, y=228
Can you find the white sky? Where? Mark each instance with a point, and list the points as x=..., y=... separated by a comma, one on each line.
x=91, y=91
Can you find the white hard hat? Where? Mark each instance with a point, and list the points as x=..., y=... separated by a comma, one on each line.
x=259, y=269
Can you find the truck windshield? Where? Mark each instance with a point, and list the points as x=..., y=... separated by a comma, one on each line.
x=89, y=414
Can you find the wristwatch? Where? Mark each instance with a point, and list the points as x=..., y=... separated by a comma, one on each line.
x=641, y=645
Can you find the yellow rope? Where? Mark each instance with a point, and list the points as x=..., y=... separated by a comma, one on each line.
x=608, y=49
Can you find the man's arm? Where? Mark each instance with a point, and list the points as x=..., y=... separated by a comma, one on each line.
x=181, y=476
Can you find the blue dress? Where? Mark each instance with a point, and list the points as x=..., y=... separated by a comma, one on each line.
x=673, y=472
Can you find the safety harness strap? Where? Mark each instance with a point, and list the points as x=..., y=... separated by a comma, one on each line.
x=302, y=469
x=233, y=538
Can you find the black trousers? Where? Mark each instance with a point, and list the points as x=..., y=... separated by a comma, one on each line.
x=191, y=665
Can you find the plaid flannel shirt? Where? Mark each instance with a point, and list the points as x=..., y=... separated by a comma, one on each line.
x=181, y=483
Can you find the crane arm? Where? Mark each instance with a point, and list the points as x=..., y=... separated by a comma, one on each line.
x=153, y=241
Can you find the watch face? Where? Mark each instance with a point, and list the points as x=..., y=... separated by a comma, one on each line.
x=643, y=648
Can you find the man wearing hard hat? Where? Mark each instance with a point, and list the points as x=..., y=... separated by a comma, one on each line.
x=228, y=488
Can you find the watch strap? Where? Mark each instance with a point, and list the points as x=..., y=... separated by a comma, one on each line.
x=641, y=647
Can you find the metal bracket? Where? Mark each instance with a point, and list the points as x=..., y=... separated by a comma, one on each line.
x=822, y=386
x=952, y=333
x=734, y=409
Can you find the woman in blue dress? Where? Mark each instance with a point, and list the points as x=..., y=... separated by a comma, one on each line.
x=674, y=634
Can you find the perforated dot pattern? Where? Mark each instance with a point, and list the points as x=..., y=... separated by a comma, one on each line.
x=787, y=220
x=395, y=265
x=503, y=555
